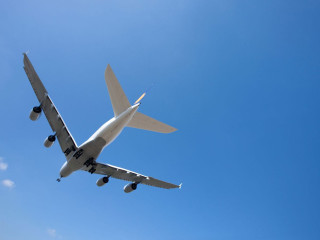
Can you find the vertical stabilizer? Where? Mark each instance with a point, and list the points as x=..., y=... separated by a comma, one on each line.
x=118, y=98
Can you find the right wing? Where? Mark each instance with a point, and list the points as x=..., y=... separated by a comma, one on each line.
x=124, y=174
x=66, y=141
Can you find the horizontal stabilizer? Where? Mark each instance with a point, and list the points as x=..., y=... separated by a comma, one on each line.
x=142, y=121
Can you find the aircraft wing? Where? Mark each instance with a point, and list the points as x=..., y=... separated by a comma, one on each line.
x=66, y=141
x=124, y=174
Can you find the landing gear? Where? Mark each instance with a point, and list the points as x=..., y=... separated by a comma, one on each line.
x=92, y=170
x=59, y=179
x=89, y=162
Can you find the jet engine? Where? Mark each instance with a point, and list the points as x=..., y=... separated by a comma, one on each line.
x=49, y=141
x=130, y=187
x=35, y=113
x=102, y=181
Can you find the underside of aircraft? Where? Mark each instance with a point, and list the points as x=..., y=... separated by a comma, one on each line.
x=84, y=157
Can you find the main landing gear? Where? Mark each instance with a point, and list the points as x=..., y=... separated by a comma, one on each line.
x=59, y=179
x=91, y=162
x=92, y=170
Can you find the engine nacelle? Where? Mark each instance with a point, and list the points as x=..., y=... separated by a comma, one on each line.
x=35, y=113
x=130, y=187
x=102, y=181
x=49, y=141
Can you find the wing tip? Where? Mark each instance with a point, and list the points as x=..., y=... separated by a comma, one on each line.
x=25, y=57
x=180, y=185
x=171, y=130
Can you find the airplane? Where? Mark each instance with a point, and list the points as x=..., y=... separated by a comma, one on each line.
x=84, y=157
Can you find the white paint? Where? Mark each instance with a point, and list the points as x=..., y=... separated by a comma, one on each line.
x=86, y=154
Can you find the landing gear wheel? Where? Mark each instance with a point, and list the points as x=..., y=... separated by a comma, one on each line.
x=92, y=170
x=88, y=162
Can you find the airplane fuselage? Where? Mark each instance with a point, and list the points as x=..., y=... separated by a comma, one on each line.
x=91, y=149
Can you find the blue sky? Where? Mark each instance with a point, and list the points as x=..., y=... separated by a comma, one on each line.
x=239, y=79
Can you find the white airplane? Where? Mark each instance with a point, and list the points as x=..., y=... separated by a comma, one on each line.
x=84, y=157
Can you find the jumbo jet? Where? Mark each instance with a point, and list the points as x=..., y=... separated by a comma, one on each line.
x=84, y=157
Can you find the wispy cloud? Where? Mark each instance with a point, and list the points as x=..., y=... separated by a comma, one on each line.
x=8, y=183
x=3, y=165
x=52, y=232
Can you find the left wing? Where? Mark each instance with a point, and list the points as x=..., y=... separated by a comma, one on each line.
x=66, y=141
x=124, y=174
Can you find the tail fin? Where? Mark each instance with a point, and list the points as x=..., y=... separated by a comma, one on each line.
x=118, y=98
x=120, y=103
x=142, y=121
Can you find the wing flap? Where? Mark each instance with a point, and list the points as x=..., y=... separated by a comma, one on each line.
x=65, y=139
x=127, y=175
